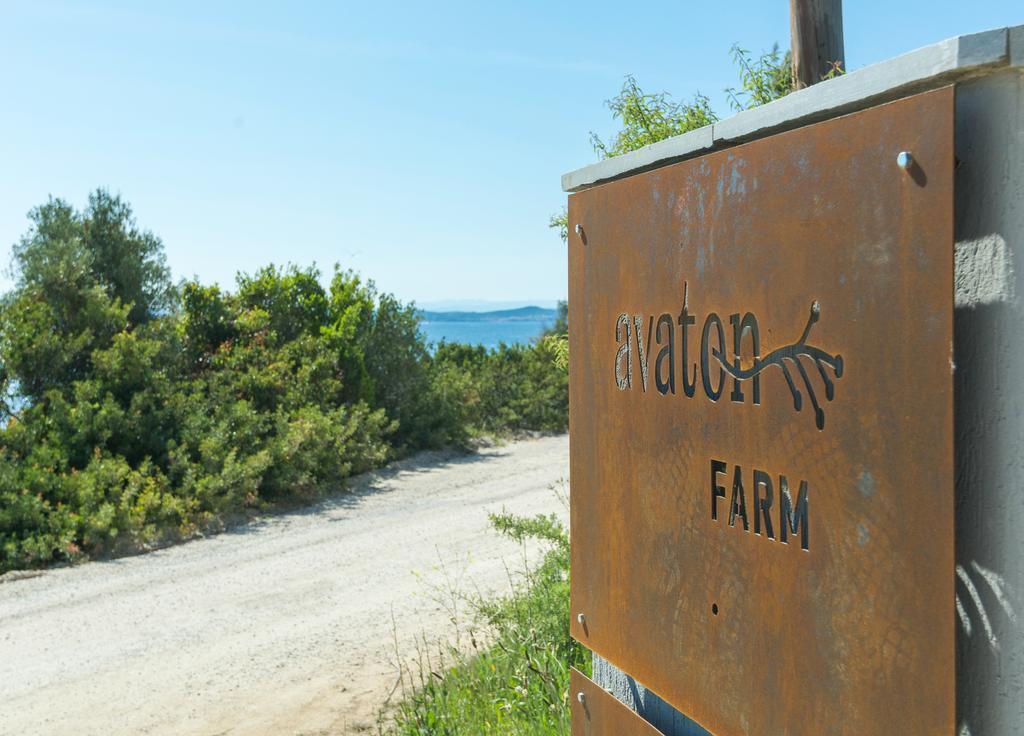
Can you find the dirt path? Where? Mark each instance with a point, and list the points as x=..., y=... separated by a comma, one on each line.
x=281, y=627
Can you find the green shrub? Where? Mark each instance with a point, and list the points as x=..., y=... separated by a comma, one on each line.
x=511, y=387
x=136, y=413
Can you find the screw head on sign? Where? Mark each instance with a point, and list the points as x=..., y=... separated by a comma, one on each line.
x=581, y=618
x=579, y=229
x=905, y=159
x=581, y=697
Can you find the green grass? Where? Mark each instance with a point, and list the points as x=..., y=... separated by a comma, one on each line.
x=519, y=682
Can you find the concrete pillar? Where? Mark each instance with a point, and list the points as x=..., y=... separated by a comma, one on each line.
x=988, y=338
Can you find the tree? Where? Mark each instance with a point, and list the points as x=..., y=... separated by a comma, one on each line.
x=80, y=279
x=128, y=262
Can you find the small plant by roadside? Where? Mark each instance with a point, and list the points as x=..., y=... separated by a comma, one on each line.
x=518, y=683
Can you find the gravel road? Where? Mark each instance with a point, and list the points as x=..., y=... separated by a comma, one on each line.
x=287, y=625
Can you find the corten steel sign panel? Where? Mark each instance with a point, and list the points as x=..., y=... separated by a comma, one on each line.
x=761, y=427
x=598, y=713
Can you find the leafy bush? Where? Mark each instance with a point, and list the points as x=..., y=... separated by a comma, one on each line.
x=512, y=387
x=136, y=412
x=648, y=118
x=762, y=80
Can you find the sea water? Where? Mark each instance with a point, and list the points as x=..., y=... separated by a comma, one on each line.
x=485, y=332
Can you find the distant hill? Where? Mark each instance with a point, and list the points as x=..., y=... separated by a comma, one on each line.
x=523, y=314
x=483, y=305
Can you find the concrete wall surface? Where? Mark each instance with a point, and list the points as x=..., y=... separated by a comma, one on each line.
x=988, y=338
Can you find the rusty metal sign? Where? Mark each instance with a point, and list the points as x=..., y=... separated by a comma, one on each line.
x=761, y=427
x=597, y=713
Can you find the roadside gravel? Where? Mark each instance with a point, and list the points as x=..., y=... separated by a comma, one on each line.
x=287, y=625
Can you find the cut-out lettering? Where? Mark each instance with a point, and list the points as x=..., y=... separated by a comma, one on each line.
x=740, y=327
x=623, y=358
x=643, y=347
x=794, y=518
x=763, y=504
x=717, y=491
x=738, y=507
x=803, y=366
x=686, y=320
x=713, y=321
x=665, y=362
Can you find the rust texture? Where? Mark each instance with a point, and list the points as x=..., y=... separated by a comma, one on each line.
x=762, y=529
x=600, y=714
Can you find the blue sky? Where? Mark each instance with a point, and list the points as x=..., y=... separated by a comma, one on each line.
x=419, y=143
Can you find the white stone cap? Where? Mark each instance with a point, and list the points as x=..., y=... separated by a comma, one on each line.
x=926, y=68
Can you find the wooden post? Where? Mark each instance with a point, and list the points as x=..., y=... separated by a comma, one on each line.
x=816, y=28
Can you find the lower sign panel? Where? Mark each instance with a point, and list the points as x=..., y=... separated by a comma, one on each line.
x=597, y=713
x=761, y=427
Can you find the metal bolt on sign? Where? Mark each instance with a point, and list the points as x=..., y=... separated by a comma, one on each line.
x=598, y=713
x=905, y=159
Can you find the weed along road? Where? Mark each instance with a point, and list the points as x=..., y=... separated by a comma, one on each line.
x=285, y=626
